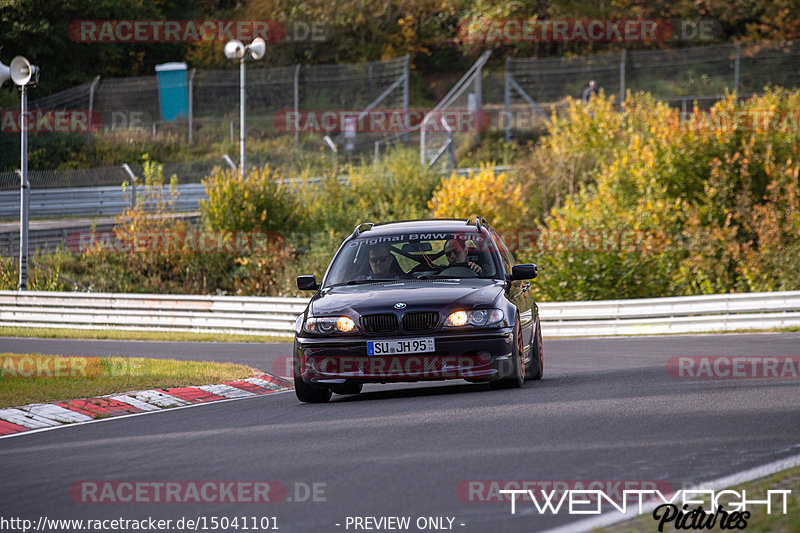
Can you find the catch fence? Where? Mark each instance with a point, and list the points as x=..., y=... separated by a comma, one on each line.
x=537, y=87
x=213, y=98
x=516, y=100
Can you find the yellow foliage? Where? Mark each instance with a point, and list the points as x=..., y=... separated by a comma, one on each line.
x=147, y=221
x=493, y=196
x=261, y=202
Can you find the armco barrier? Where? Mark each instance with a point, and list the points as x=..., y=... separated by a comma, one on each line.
x=113, y=200
x=47, y=236
x=682, y=314
x=154, y=312
x=89, y=201
x=276, y=316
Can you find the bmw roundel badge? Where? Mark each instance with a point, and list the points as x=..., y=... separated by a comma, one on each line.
x=399, y=305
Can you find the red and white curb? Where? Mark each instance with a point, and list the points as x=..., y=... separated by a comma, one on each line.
x=41, y=415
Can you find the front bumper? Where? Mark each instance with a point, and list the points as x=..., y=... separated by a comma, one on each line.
x=464, y=355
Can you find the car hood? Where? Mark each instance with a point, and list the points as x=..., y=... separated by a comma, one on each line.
x=380, y=297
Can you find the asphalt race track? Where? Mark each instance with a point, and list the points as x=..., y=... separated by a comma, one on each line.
x=607, y=409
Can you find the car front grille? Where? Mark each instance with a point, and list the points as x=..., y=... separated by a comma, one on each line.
x=420, y=321
x=383, y=323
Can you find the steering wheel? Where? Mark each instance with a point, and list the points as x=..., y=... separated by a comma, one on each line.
x=458, y=271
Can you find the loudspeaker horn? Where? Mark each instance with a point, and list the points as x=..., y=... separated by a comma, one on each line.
x=257, y=48
x=234, y=49
x=22, y=72
x=5, y=73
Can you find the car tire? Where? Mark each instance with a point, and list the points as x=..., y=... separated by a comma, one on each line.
x=535, y=369
x=517, y=377
x=308, y=394
x=348, y=387
x=304, y=391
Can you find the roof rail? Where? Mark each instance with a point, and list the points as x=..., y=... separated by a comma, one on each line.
x=358, y=229
x=478, y=221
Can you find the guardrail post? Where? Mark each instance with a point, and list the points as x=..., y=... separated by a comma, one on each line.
x=736, y=70
x=229, y=161
x=507, y=98
x=132, y=176
x=622, y=58
x=296, y=100
x=451, y=150
x=24, y=209
x=92, y=88
x=191, y=105
x=405, y=94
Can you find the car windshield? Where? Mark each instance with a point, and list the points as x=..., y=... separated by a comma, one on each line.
x=372, y=258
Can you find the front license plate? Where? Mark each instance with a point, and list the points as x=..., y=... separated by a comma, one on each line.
x=400, y=346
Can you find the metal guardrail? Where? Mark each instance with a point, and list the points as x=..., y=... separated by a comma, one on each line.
x=683, y=314
x=45, y=240
x=153, y=312
x=112, y=200
x=49, y=236
x=89, y=201
x=276, y=316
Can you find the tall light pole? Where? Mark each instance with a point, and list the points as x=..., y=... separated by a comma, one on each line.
x=23, y=74
x=236, y=50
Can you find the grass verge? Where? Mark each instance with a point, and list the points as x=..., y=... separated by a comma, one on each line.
x=759, y=521
x=791, y=329
x=176, y=336
x=31, y=378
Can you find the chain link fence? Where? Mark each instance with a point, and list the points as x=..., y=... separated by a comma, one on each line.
x=515, y=100
x=536, y=87
x=185, y=172
x=213, y=99
x=456, y=121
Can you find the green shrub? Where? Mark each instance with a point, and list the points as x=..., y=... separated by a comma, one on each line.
x=40, y=277
x=702, y=209
x=398, y=189
x=262, y=201
x=137, y=257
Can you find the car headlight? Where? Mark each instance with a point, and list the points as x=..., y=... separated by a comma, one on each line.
x=331, y=324
x=477, y=317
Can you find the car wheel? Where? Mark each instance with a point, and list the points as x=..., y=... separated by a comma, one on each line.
x=517, y=377
x=308, y=394
x=535, y=369
x=348, y=387
x=305, y=392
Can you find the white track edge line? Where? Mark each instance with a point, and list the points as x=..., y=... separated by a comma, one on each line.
x=663, y=335
x=611, y=518
x=162, y=410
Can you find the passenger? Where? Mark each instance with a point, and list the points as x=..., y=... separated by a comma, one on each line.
x=456, y=253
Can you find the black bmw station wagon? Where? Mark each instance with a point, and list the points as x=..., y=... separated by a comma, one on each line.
x=418, y=300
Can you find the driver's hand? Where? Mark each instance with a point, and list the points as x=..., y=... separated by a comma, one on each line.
x=475, y=267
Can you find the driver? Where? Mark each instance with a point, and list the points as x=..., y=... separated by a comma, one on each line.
x=456, y=253
x=383, y=264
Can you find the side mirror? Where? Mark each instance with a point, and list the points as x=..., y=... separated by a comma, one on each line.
x=524, y=271
x=307, y=283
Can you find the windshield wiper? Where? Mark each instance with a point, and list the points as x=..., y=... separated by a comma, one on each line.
x=362, y=281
